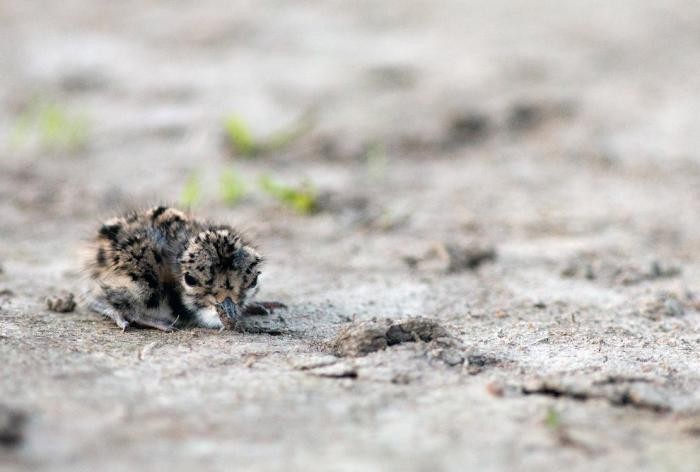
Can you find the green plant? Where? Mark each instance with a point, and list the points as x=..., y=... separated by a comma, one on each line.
x=552, y=419
x=52, y=127
x=192, y=191
x=243, y=142
x=232, y=187
x=303, y=199
x=239, y=136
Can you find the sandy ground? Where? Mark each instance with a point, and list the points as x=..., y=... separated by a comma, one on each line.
x=560, y=134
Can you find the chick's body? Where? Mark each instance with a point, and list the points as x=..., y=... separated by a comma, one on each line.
x=163, y=269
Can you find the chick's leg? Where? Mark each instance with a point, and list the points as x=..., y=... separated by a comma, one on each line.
x=102, y=307
x=157, y=323
x=122, y=307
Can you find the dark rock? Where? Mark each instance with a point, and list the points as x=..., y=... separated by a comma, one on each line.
x=11, y=426
x=61, y=303
x=468, y=127
x=460, y=257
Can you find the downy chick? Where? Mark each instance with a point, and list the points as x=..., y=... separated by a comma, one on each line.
x=164, y=269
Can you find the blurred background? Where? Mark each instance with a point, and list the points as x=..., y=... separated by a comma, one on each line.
x=363, y=144
x=196, y=103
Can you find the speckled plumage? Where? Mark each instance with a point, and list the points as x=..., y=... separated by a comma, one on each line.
x=164, y=269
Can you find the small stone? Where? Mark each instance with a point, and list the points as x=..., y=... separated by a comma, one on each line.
x=459, y=258
x=410, y=261
x=477, y=362
x=468, y=127
x=524, y=116
x=451, y=357
x=61, y=303
x=11, y=426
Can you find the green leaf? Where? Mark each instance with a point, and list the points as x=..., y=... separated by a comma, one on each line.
x=239, y=136
x=52, y=127
x=302, y=199
x=553, y=419
x=242, y=141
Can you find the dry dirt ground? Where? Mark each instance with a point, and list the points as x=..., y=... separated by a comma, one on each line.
x=562, y=135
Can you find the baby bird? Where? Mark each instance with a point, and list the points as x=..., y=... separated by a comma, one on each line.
x=163, y=269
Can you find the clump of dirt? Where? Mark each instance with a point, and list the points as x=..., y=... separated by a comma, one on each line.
x=615, y=270
x=416, y=329
x=460, y=258
x=478, y=362
x=453, y=257
x=64, y=303
x=468, y=127
x=661, y=305
x=11, y=426
x=361, y=338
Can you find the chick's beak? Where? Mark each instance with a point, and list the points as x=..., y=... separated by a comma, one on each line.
x=230, y=308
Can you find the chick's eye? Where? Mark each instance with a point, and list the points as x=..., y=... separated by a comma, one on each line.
x=191, y=281
x=255, y=281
